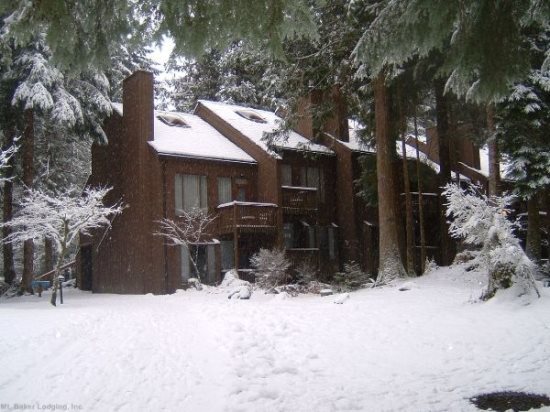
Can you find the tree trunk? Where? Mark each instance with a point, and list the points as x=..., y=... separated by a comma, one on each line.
x=546, y=208
x=444, y=177
x=420, y=202
x=48, y=255
x=391, y=265
x=494, y=164
x=409, y=224
x=533, y=245
x=408, y=212
x=7, y=211
x=28, y=177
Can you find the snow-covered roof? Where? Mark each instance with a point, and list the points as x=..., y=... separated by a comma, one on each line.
x=190, y=136
x=484, y=163
x=253, y=123
x=357, y=144
x=240, y=203
x=198, y=140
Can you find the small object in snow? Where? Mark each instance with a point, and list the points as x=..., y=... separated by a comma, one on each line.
x=546, y=283
x=272, y=291
x=243, y=292
x=407, y=286
x=339, y=299
x=194, y=283
x=326, y=292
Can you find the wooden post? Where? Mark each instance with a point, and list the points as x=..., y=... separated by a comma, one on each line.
x=235, y=238
x=494, y=155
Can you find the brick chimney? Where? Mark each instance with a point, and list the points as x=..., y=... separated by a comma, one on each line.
x=336, y=125
x=138, y=106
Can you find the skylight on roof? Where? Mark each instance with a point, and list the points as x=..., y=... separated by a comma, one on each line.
x=251, y=115
x=172, y=120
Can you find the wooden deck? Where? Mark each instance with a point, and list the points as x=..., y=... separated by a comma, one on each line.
x=247, y=217
x=299, y=200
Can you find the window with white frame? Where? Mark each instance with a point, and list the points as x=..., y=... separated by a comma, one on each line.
x=190, y=192
x=224, y=190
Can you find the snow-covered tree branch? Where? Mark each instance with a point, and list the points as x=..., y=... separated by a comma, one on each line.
x=188, y=231
x=5, y=156
x=483, y=221
x=62, y=217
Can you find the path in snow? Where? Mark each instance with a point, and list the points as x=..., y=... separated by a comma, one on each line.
x=426, y=349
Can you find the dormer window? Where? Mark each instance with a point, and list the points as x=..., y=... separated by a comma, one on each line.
x=172, y=120
x=251, y=115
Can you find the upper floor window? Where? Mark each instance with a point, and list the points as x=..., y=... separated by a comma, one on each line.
x=251, y=115
x=191, y=192
x=286, y=175
x=313, y=177
x=172, y=120
x=224, y=190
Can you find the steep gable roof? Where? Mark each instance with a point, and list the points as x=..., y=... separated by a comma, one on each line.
x=254, y=123
x=187, y=135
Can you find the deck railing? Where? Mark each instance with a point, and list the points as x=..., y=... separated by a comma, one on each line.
x=299, y=199
x=247, y=216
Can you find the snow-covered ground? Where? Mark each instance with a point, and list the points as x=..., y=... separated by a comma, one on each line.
x=429, y=348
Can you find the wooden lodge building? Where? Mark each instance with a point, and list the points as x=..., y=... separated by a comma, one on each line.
x=297, y=193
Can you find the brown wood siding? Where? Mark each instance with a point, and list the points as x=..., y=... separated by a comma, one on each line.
x=129, y=259
x=212, y=170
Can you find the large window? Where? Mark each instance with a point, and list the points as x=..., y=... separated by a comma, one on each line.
x=190, y=192
x=286, y=175
x=224, y=190
x=205, y=259
x=228, y=254
x=313, y=177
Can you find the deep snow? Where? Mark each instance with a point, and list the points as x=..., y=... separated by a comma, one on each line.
x=428, y=348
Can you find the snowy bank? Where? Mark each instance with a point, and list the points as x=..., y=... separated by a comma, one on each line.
x=428, y=348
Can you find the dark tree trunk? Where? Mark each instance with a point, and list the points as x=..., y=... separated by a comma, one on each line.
x=409, y=224
x=7, y=211
x=444, y=177
x=391, y=265
x=494, y=155
x=48, y=255
x=533, y=245
x=546, y=208
x=408, y=212
x=28, y=177
x=420, y=202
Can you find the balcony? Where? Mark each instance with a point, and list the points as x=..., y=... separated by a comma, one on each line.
x=299, y=200
x=247, y=217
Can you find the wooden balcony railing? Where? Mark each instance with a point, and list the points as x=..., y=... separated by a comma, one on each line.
x=247, y=217
x=299, y=200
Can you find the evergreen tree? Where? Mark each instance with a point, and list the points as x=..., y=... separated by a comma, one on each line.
x=481, y=40
x=524, y=130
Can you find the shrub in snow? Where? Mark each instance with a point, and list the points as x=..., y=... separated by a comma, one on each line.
x=62, y=217
x=306, y=272
x=484, y=222
x=271, y=268
x=351, y=278
x=237, y=288
x=429, y=266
